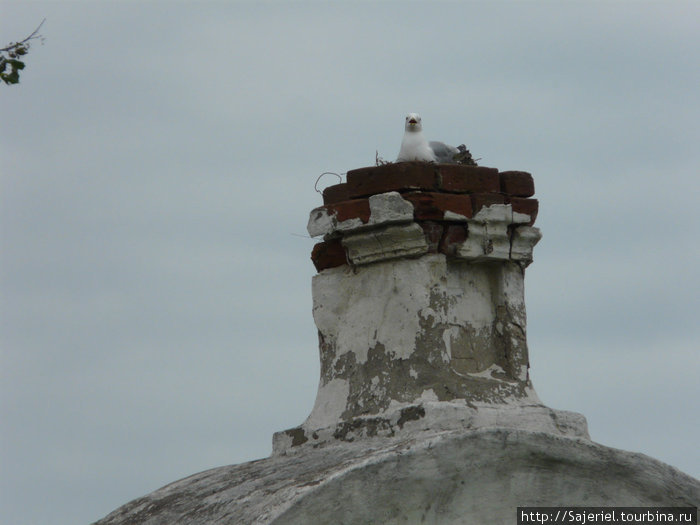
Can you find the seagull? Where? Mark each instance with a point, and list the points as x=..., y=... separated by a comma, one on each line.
x=415, y=147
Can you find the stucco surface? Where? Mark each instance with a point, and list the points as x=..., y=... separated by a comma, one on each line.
x=476, y=477
x=397, y=333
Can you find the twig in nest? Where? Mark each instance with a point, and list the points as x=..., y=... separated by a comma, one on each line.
x=378, y=161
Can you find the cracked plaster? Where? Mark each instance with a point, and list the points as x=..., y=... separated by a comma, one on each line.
x=392, y=331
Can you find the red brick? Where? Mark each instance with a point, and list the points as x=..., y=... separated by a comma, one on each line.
x=401, y=176
x=432, y=206
x=527, y=206
x=517, y=183
x=336, y=193
x=356, y=208
x=433, y=234
x=328, y=255
x=455, y=234
x=468, y=179
x=479, y=200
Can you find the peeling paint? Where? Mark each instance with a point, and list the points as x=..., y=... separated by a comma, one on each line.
x=400, y=326
x=390, y=332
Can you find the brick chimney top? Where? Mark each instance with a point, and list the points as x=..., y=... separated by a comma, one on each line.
x=442, y=197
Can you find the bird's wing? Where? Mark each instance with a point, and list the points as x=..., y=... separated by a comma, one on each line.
x=443, y=152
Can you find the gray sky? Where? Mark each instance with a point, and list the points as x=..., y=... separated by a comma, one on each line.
x=158, y=166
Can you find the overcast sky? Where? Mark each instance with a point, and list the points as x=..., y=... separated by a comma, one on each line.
x=158, y=166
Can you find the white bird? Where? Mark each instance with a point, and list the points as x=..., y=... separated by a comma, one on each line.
x=415, y=147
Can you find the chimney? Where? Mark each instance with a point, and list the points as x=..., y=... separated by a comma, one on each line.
x=425, y=412
x=419, y=305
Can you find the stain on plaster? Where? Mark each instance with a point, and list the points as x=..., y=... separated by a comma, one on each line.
x=455, y=341
x=413, y=413
x=298, y=436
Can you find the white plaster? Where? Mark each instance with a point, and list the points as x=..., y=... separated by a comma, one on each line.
x=495, y=213
x=377, y=391
x=281, y=441
x=488, y=372
x=448, y=477
x=393, y=408
x=512, y=287
x=523, y=241
x=429, y=395
x=523, y=372
x=323, y=223
x=488, y=237
x=454, y=217
x=448, y=336
x=387, y=208
x=471, y=299
x=347, y=225
x=390, y=242
x=379, y=303
x=521, y=218
x=330, y=403
x=388, y=307
x=474, y=245
x=320, y=222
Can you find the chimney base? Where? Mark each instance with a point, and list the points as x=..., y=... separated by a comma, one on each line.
x=418, y=421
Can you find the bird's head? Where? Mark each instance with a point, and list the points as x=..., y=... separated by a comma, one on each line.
x=413, y=122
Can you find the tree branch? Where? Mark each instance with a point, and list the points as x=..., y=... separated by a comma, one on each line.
x=32, y=36
x=10, y=57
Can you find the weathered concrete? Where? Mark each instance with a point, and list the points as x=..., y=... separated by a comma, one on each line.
x=396, y=333
x=477, y=477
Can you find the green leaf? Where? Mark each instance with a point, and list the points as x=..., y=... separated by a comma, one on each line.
x=13, y=76
x=10, y=78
